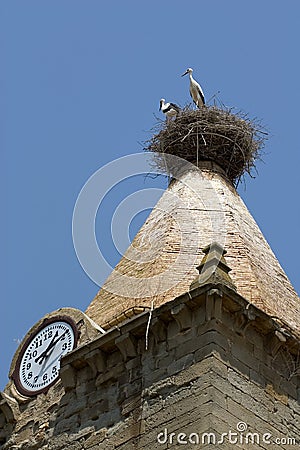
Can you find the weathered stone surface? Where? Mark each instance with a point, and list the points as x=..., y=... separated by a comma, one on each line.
x=68, y=377
x=210, y=210
x=203, y=381
x=127, y=346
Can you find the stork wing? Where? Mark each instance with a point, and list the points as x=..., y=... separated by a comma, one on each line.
x=201, y=94
x=174, y=106
x=197, y=92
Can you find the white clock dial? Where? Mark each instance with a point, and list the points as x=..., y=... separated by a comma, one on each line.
x=39, y=362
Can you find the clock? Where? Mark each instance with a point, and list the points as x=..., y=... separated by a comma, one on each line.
x=38, y=363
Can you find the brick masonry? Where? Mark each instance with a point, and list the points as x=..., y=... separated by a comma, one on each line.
x=214, y=364
x=199, y=208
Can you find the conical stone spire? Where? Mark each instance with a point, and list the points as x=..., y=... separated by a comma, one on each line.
x=200, y=207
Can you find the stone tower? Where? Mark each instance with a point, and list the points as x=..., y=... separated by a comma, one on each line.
x=205, y=356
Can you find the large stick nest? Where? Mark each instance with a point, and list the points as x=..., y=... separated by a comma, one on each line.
x=210, y=133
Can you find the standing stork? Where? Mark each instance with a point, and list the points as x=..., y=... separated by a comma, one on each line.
x=169, y=109
x=195, y=89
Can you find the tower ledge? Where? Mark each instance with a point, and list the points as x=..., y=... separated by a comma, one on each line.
x=208, y=351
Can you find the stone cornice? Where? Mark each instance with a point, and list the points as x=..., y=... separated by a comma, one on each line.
x=214, y=298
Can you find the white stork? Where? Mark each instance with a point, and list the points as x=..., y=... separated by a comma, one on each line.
x=195, y=89
x=169, y=109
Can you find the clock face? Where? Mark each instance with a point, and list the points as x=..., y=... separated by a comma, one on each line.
x=38, y=364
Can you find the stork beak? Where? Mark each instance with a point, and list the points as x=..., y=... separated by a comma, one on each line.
x=185, y=73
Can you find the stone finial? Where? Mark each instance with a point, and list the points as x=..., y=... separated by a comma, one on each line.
x=213, y=268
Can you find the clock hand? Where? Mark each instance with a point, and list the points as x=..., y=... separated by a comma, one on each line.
x=50, y=364
x=52, y=344
x=44, y=363
x=57, y=340
x=42, y=355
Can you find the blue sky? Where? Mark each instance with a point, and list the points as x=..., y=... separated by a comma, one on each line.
x=80, y=84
